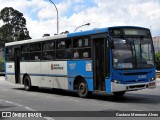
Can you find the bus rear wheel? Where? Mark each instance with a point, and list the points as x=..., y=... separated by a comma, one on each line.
x=82, y=89
x=118, y=94
x=27, y=83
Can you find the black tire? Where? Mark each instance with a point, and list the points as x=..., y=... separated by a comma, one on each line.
x=27, y=83
x=119, y=94
x=82, y=89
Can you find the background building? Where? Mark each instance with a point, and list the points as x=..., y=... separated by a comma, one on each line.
x=156, y=42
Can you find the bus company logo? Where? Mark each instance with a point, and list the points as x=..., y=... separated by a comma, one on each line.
x=56, y=67
x=72, y=66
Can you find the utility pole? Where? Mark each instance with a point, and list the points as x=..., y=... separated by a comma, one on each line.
x=57, y=16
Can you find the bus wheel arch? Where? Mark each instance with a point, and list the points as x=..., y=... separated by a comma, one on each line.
x=27, y=82
x=81, y=86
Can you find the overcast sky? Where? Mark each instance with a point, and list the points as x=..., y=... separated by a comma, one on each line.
x=41, y=14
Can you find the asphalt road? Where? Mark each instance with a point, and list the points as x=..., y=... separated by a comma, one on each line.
x=15, y=98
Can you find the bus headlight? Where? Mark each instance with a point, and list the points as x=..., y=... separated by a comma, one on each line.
x=116, y=81
x=152, y=79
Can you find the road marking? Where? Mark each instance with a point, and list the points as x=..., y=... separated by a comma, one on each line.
x=26, y=107
x=9, y=102
x=136, y=110
x=48, y=118
x=18, y=105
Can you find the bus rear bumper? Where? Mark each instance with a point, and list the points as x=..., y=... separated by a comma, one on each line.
x=115, y=87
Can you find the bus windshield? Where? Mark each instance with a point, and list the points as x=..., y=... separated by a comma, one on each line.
x=131, y=53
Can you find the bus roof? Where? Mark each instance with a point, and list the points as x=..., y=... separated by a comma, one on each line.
x=94, y=31
x=82, y=33
x=36, y=40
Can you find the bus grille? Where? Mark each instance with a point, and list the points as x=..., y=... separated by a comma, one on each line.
x=136, y=73
x=135, y=81
x=136, y=86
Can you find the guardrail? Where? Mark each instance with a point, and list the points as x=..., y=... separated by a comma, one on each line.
x=2, y=74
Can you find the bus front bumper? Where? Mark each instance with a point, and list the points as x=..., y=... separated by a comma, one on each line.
x=115, y=87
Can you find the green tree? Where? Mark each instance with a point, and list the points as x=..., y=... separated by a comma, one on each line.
x=157, y=59
x=14, y=28
x=5, y=35
x=1, y=64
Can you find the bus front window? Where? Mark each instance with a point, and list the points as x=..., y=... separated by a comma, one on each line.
x=144, y=53
x=131, y=53
x=122, y=54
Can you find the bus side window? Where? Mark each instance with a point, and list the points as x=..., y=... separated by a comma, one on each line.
x=87, y=53
x=87, y=42
x=35, y=50
x=60, y=54
x=35, y=47
x=64, y=50
x=68, y=52
x=76, y=54
x=77, y=43
x=25, y=52
x=35, y=56
x=61, y=44
x=81, y=42
x=48, y=50
x=9, y=54
x=48, y=55
x=82, y=48
x=24, y=56
x=49, y=46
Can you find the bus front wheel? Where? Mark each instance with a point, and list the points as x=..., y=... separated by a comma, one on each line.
x=118, y=94
x=82, y=89
x=27, y=83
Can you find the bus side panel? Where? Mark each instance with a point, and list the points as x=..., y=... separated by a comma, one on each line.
x=54, y=74
x=58, y=69
x=71, y=83
x=22, y=70
x=10, y=72
x=108, y=85
x=34, y=70
x=47, y=81
x=90, y=84
x=80, y=68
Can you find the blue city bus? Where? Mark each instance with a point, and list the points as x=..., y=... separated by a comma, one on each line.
x=111, y=60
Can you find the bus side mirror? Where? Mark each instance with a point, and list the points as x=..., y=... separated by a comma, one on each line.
x=110, y=42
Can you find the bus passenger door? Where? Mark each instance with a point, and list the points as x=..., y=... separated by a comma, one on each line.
x=99, y=62
x=17, y=64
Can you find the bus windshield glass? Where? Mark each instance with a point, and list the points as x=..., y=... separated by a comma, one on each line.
x=131, y=53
